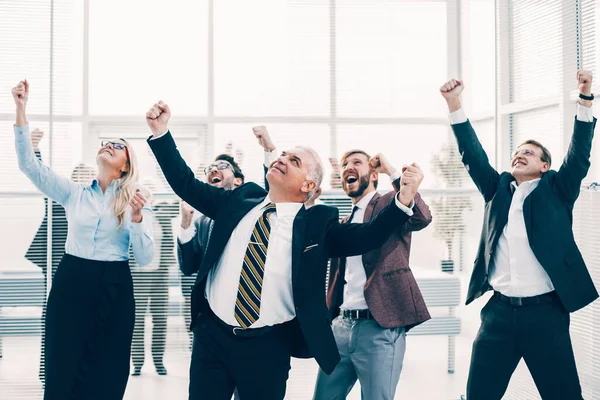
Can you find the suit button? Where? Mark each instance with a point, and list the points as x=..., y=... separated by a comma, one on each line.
x=366, y=265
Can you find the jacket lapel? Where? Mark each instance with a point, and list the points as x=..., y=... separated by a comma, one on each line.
x=223, y=229
x=298, y=233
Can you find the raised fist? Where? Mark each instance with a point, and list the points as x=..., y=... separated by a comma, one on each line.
x=264, y=139
x=409, y=183
x=381, y=164
x=158, y=117
x=452, y=89
x=584, y=82
x=21, y=93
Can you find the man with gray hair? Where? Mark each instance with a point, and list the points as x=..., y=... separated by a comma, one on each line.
x=259, y=296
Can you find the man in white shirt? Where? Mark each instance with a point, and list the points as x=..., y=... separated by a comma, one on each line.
x=259, y=296
x=527, y=256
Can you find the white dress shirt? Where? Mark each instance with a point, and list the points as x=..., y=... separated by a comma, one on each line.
x=356, y=276
x=277, y=301
x=515, y=271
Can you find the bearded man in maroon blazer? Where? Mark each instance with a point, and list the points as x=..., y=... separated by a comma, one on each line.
x=373, y=299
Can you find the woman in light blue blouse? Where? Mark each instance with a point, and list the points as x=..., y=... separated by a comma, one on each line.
x=90, y=311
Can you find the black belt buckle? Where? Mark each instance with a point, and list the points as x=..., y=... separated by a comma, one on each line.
x=516, y=301
x=237, y=328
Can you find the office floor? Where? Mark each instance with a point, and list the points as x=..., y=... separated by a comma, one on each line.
x=424, y=375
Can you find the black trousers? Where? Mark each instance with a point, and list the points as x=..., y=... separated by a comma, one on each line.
x=150, y=287
x=537, y=333
x=89, y=325
x=258, y=366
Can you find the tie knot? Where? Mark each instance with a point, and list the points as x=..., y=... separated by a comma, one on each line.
x=269, y=209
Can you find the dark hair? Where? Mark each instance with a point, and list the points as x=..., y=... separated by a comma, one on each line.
x=357, y=151
x=546, y=156
x=237, y=171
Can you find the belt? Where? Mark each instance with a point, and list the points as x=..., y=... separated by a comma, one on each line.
x=239, y=331
x=357, y=314
x=526, y=301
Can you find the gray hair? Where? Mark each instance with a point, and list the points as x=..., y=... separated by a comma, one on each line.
x=315, y=171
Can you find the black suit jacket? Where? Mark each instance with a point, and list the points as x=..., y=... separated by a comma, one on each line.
x=317, y=236
x=548, y=213
x=190, y=254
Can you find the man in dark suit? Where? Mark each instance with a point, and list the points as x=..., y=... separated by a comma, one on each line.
x=374, y=298
x=527, y=255
x=193, y=239
x=258, y=297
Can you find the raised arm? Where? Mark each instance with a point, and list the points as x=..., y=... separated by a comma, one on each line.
x=190, y=251
x=346, y=240
x=421, y=216
x=474, y=158
x=576, y=163
x=52, y=185
x=265, y=141
x=201, y=196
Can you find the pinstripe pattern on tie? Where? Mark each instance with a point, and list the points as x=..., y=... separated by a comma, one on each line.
x=247, y=303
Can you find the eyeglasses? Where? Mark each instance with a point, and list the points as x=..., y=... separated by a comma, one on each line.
x=116, y=145
x=220, y=166
x=525, y=153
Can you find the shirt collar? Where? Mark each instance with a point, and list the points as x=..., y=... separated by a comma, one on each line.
x=96, y=185
x=283, y=209
x=362, y=204
x=527, y=186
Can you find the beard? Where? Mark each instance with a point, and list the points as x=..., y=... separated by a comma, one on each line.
x=363, y=184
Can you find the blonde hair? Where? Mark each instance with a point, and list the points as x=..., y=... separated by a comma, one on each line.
x=126, y=186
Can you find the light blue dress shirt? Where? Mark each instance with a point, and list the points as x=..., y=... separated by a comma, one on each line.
x=93, y=231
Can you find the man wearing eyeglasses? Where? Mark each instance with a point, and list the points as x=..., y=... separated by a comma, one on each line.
x=527, y=256
x=193, y=239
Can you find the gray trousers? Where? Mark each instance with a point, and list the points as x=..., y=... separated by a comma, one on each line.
x=369, y=353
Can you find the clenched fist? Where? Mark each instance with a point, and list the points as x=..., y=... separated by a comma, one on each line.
x=21, y=93
x=187, y=215
x=584, y=82
x=264, y=139
x=409, y=183
x=158, y=117
x=451, y=91
x=136, y=204
x=382, y=165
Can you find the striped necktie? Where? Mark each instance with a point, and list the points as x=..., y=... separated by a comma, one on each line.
x=247, y=303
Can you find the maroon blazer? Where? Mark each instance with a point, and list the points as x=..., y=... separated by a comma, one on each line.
x=391, y=290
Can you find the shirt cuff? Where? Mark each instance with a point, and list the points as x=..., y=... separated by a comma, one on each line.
x=159, y=136
x=20, y=130
x=270, y=156
x=139, y=228
x=395, y=176
x=458, y=117
x=187, y=234
x=408, y=210
x=584, y=114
